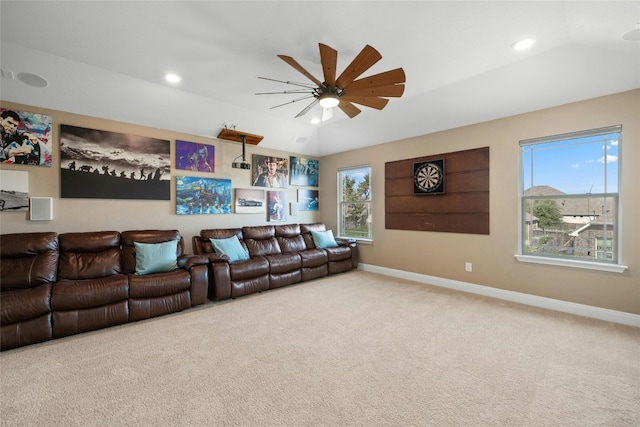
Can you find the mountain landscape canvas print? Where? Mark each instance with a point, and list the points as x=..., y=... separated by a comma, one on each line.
x=109, y=165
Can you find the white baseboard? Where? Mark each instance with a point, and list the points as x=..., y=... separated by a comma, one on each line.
x=621, y=317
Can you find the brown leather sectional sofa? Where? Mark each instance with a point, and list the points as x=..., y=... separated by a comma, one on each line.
x=279, y=255
x=53, y=285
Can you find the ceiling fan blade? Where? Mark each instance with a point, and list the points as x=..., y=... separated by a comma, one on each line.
x=393, y=91
x=377, y=103
x=329, y=61
x=349, y=109
x=289, y=60
x=292, y=101
x=307, y=85
x=361, y=63
x=327, y=113
x=387, y=78
x=285, y=92
x=307, y=108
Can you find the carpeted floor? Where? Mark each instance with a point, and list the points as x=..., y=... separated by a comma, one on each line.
x=356, y=349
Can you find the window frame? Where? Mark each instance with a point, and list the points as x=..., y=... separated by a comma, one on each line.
x=601, y=264
x=341, y=231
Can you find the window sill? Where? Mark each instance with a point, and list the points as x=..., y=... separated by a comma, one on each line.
x=611, y=268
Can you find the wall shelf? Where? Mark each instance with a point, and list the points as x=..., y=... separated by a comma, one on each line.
x=234, y=135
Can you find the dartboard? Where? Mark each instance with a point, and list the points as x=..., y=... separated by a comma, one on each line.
x=428, y=177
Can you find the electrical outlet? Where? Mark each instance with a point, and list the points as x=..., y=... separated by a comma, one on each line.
x=468, y=267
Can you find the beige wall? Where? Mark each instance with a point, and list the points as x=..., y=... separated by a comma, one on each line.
x=430, y=253
x=444, y=254
x=119, y=215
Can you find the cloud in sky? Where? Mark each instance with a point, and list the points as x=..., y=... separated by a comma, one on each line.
x=610, y=158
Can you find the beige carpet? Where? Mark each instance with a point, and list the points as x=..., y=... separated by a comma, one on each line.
x=355, y=349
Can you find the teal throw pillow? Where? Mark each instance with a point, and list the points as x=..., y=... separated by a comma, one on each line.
x=230, y=247
x=324, y=239
x=156, y=257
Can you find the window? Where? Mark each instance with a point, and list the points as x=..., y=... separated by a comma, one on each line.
x=569, y=196
x=354, y=202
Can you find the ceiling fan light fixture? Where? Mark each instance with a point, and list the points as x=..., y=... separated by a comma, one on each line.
x=328, y=100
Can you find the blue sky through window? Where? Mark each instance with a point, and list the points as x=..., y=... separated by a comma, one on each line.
x=573, y=166
x=357, y=174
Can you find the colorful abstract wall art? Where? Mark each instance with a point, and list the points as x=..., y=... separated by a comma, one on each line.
x=26, y=138
x=202, y=196
x=304, y=171
x=195, y=157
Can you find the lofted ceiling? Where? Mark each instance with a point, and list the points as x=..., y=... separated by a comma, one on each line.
x=107, y=59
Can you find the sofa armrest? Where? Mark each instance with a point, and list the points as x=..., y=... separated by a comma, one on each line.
x=188, y=261
x=355, y=252
x=218, y=258
x=345, y=241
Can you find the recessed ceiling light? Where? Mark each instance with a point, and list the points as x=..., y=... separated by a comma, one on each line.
x=315, y=121
x=32, y=79
x=523, y=44
x=172, y=78
x=633, y=35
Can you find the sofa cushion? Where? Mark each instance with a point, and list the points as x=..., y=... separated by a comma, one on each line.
x=24, y=304
x=291, y=244
x=258, y=232
x=324, y=239
x=230, y=247
x=314, y=257
x=82, y=294
x=283, y=263
x=339, y=253
x=287, y=230
x=28, y=260
x=158, y=285
x=262, y=247
x=249, y=269
x=89, y=255
x=156, y=257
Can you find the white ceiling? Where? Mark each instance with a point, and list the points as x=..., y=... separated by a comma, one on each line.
x=107, y=59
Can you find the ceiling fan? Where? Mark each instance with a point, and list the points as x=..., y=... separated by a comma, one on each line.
x=344, y=91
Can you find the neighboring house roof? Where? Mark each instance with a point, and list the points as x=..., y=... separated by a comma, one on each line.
x=582, y=210
x=542, y=190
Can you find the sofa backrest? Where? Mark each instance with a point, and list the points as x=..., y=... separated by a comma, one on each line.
x=289, y=238
x=202, y=244
x=89, y=255
x=128, y=238
x=306, y=229
x=28, y=260
x=261, y=240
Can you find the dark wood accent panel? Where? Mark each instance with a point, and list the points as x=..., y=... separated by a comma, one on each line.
x=444, y=222
x=456, y=203
x=460, y=182
x=463, y=208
